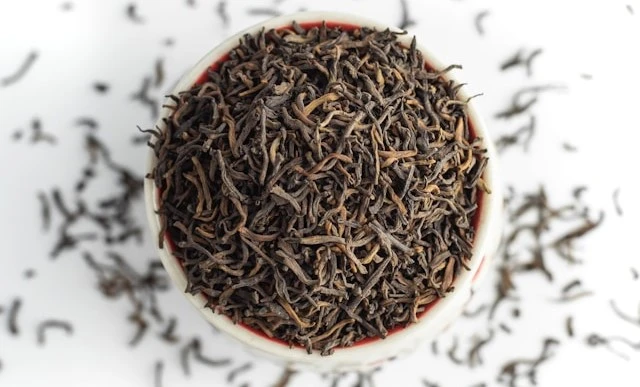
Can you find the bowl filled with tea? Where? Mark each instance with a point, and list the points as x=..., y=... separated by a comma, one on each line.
x=323, y=192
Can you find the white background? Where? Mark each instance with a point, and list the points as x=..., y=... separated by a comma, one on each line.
x=96, y=42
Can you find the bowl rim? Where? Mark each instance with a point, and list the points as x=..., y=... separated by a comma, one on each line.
x=432, y=322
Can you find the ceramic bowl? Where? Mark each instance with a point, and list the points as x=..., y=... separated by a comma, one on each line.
x=371, y=352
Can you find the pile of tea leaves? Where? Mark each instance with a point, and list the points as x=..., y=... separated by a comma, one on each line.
x=320, y=185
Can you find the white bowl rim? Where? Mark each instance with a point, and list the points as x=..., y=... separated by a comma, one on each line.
x=488, y=217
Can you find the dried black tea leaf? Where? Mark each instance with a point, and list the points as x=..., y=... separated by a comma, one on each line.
x=595, y=340
x=158, y=371
x=578, y=191
x=478, y=21
x=38, y=135
x=45, y=210
x=233, y=374
x=520, y=59
x=452, y=352
x=571, y=285
x=158, y=69
x=221, y=10
x=47, y=325
x=285, y=378
x=616, y=201
x=17, y=135
x=474, y=358
x=569, y=147
x=405, y=19
x=101, y=87
x=132, y=13
x=270, y=12
x=569, y=326
x=12, y=317
x=143, y=97
x=26, y=65
x=87, y=122
x=169, y=334
x=623, y=316
x=509, y=374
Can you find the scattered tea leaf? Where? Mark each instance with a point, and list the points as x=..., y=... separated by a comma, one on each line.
x=569, y=147
x=47, y=325
x=233, y=374
x=45, y=211
x=87, y=122
x=22, y=70
x=158, y=72
x=14, y=310
x=285, y=378
x=616, y=201
x=270, y=12
x=101, y=87
x=405, y=19
x=221, y=10
x=132, y=13
x=158, y=371
x=623, y=316
x=569, y=326
x=474, y=358
x=478, y=21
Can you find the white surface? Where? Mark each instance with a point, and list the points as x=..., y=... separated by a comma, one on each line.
x=95, y=41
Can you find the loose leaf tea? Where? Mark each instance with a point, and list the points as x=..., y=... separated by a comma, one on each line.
x=518, y=59
x=595, y=340
x=143, y=97
x=569, y=326
x=101, y=87
x=12, y=317
x=221, y=10
x=38, y=135
x=237, y=371
x=405, y=19
x=22, y=70
x=285, y=378
x=269, y=12
x=478, y=20
x=87, y=122
x=45, y=210
x=53, y=324
x=158, y=71
x=510, y=372
x=525, y=133
x=17, y=135
x=132, y=13
x=195, y=347
x=158, y=371
x=616, y=201
x=320, y=186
